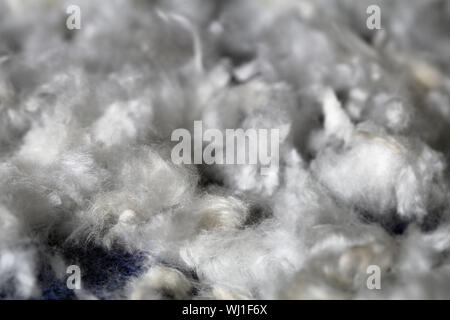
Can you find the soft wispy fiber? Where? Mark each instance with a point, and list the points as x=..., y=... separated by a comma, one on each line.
x=86, y=176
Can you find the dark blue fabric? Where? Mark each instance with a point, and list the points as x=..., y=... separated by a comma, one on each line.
x=103, y=271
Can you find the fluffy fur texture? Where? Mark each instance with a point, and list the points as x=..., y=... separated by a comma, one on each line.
x=86, y=176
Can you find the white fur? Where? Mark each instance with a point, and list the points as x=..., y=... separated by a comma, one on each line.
x=85, y=124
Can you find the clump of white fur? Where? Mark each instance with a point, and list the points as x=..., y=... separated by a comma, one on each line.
x=85, y=124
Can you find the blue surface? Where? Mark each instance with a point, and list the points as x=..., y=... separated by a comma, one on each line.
x=103, y=272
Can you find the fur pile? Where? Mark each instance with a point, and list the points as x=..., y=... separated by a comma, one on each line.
x=86, y=176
